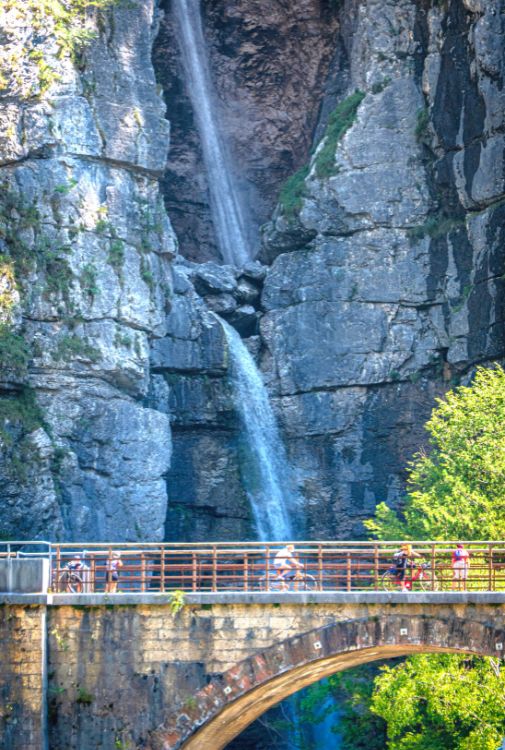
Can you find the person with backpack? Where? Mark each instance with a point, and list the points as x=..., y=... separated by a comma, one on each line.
x=460, y=565
x=403, y=560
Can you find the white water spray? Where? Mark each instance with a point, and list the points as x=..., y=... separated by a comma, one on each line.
x=229, y=215
x=267, y=471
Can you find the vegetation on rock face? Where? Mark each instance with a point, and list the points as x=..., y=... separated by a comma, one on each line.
x=290, y=197
x=65, y=21
x=341, y=119
x=457, y=490
x=14, y=353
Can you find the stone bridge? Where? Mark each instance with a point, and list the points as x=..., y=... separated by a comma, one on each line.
x=124, y=671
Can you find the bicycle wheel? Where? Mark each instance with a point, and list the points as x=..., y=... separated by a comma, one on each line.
x=74, y=584
x=389, y=581
x=427, y=581
x=309, y=583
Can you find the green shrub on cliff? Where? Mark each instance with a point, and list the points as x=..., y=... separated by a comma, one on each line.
x=341, y=119
x=290, y=197
x=14, y=352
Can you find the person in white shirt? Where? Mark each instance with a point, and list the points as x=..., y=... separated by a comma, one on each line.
x=284, y=562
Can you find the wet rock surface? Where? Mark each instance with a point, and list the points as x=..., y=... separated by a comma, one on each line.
x=269, y=62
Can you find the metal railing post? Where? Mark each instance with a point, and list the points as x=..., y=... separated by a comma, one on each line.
x=349, y=572
x=376, y=567
x=246, y=572
x=162, y=570
x=267, y=568
x=214, y=568
x=320, y=566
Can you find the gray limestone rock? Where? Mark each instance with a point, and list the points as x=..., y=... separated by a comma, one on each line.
x=210, y=278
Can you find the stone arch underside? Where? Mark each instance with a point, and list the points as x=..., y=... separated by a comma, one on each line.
x=224, y=707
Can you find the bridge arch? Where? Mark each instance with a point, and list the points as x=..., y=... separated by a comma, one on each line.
x=224, y=707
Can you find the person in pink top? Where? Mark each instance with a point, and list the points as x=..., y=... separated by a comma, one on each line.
x=460, y=564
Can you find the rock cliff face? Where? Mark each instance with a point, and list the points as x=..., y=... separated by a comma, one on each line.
x=270, y=64
x=386, y=284
x=385, y=253
x=85, y=246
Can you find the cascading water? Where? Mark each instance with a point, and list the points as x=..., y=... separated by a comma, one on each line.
x=266, y=470
x=230, y=218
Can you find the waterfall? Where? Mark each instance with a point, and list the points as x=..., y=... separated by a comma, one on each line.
x=229, y=216
x=266, y=470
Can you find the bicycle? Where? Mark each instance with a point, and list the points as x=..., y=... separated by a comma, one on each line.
x=71, y=582
x=422, y=578
x=295, y=580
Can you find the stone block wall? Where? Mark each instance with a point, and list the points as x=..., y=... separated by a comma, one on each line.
x=22, y=677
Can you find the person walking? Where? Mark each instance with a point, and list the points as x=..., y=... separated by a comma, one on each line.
x=460, y=563
x=112, y=574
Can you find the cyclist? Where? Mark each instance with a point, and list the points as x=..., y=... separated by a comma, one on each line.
x=75, y=564
x=403, y=560
x=284, y=563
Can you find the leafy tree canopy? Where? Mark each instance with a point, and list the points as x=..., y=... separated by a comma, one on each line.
x=441, y=702
x=457, y=490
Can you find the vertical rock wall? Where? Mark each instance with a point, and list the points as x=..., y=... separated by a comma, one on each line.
x=270, y=61
x=85, y=248
x=395, y=290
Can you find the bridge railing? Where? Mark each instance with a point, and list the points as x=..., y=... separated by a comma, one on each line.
x=250, y=566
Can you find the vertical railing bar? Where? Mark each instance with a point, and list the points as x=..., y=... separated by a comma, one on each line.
x=214, y=568
x=142, y=571
x=194, y=570
x=267, y=568
x=92, y=573
x=433, y=567
x=162, y=571
x=58, y=566
x=376, y=566
x=320, y=565
x=246, y=572
x=490, y=568
x=349, y=582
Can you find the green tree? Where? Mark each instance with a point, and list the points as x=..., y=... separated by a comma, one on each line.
x=457, y=490
x=441, y=702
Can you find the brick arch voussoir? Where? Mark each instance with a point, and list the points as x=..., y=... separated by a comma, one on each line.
x=377, y=637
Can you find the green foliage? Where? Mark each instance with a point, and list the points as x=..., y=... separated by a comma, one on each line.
x=177, y=601
x=379, y=87
x=339, y=122
x=89, y=279
x=84, y=697
x=422, y=124
x=70, y=347
x=15, y=353
x=116, y=255
x=146, y=274
x=290, y=197
x=457, y=491
x=64, y=20
x=66, y=187
x=436, y=226
x=441, y=702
